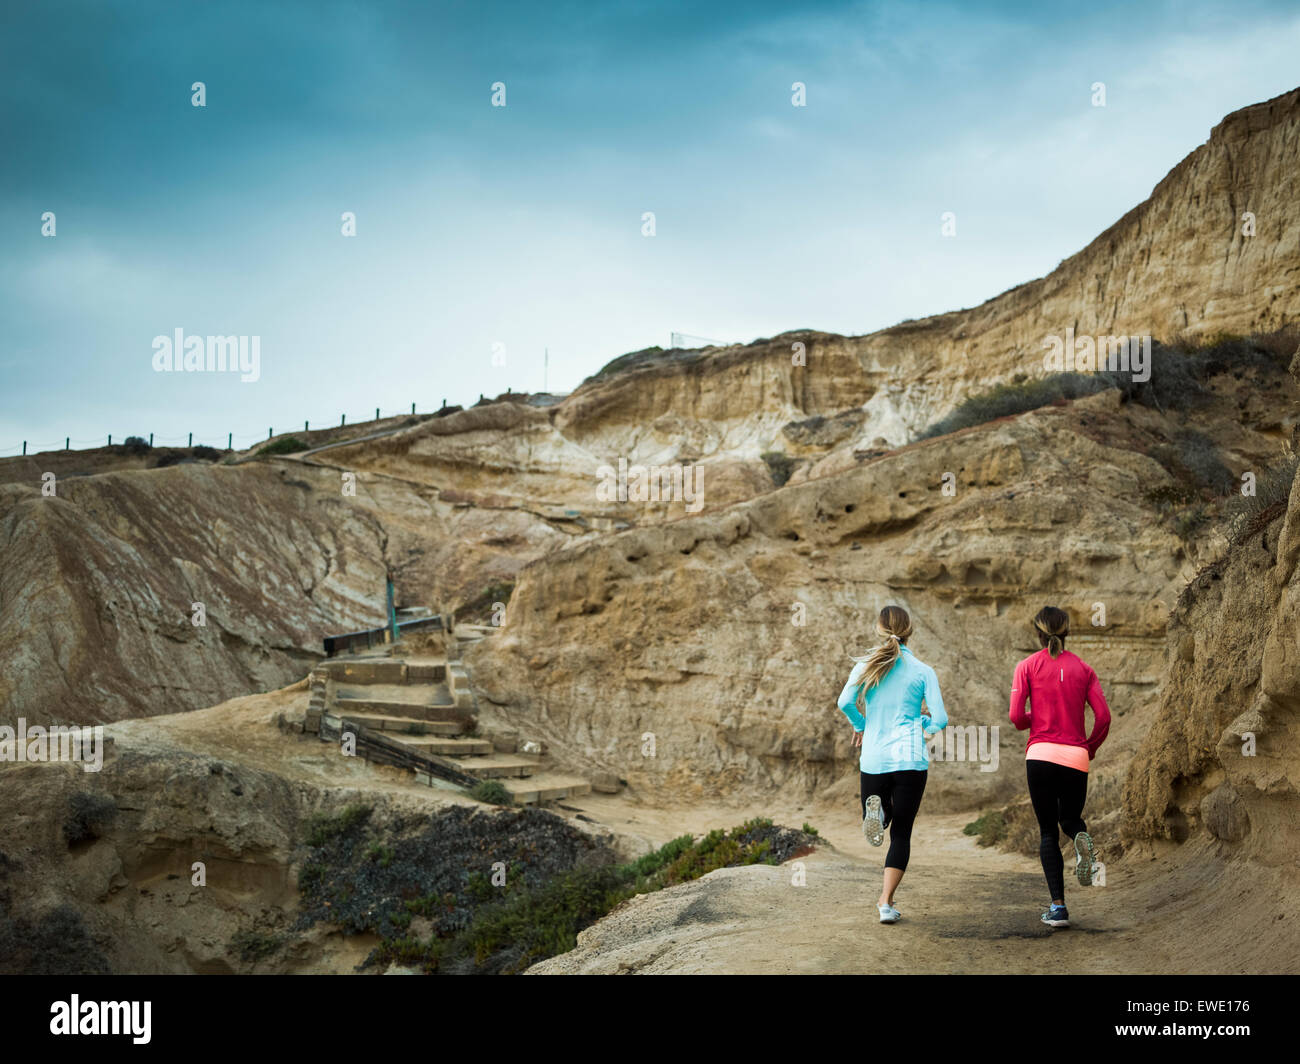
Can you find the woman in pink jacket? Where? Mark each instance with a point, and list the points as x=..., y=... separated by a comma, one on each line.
x=1057, y=684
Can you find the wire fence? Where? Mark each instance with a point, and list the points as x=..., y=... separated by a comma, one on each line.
x=238, y=441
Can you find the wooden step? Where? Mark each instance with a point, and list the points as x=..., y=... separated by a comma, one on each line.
x=429, y=694
x=405, y=725
x=386, y=708
x=499, y=766
x=546, y=787
x=437, y=744
x=424, y=669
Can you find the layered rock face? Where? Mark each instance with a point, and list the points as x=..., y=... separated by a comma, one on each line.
x=1222, y=757
x=727, y=637
x=100, y=581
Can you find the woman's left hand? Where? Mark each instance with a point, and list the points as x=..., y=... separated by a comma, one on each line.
x=857, y=739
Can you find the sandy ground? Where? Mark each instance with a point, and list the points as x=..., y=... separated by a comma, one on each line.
x=966, y=908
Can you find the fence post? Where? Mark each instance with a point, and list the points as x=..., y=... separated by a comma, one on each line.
x=304, y=425
x=229, y=439
x=191, y=443
x=24, y=446
x=110, y=439
x=412, y=408
x=67, y=440
x=376, y=413
x=151, y=439
x=343, y=420
x=269, y=432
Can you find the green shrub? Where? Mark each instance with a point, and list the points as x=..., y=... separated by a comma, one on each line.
x=284, y=445
x=254, y=945
x=990, y=828
x=1191, y=520
x=377, y=851
x=1180, y=370
x=209, y=454
x=780, y=465
x=322, y=827
x=1199, y=456
x=88, y=815
x=311, y=876
x=1247, y=514
x=1018, y=397
x=1194, y=463
x=481, y=608
x=808, y=829
x=135, y=445
x=514, y=926
x=499, y=592
x=54, y=943
x=494, y=792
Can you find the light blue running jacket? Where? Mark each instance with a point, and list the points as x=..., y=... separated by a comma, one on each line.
x=894, y=728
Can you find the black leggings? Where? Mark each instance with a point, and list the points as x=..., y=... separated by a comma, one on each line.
x=900, y=797
x=1057, y=794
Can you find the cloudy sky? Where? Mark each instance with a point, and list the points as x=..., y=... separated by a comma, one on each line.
x=518, y=228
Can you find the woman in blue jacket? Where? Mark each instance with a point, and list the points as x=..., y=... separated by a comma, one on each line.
x=883, y=701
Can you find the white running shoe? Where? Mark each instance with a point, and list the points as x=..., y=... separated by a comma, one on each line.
x=888, y=914
x=873, y=822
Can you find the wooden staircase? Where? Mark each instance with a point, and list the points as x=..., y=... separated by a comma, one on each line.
x=419, y=713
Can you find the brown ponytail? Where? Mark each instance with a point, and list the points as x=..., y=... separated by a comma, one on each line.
x=1052, y=625
x=896, y=626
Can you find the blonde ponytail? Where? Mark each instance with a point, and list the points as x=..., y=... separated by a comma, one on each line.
x=895, y=626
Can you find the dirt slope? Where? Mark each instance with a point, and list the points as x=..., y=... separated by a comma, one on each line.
x=965, y=910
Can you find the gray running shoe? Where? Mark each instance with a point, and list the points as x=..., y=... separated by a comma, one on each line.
x=873, y=822
x=1085, y=858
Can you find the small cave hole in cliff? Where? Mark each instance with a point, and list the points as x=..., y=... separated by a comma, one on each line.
x=1176, y=820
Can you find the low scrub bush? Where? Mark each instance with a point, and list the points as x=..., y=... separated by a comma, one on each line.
x=255, y=945
x=1247, y=514
x=780, y=465
x=493, y=792
x=323, y=827
x=1018, y=397
x=988, y=829
x=1193, y=460
x=88, y=815
x=284, y=445
x=54, y=943
x=557, y=882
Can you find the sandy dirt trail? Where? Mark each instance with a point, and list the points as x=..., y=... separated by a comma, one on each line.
x=966, y=909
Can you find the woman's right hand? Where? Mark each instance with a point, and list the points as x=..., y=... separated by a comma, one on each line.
x=857, y=739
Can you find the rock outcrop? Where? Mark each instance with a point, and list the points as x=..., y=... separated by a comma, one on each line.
x=1221, y=758
x=100, y=581
x=727, y=636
